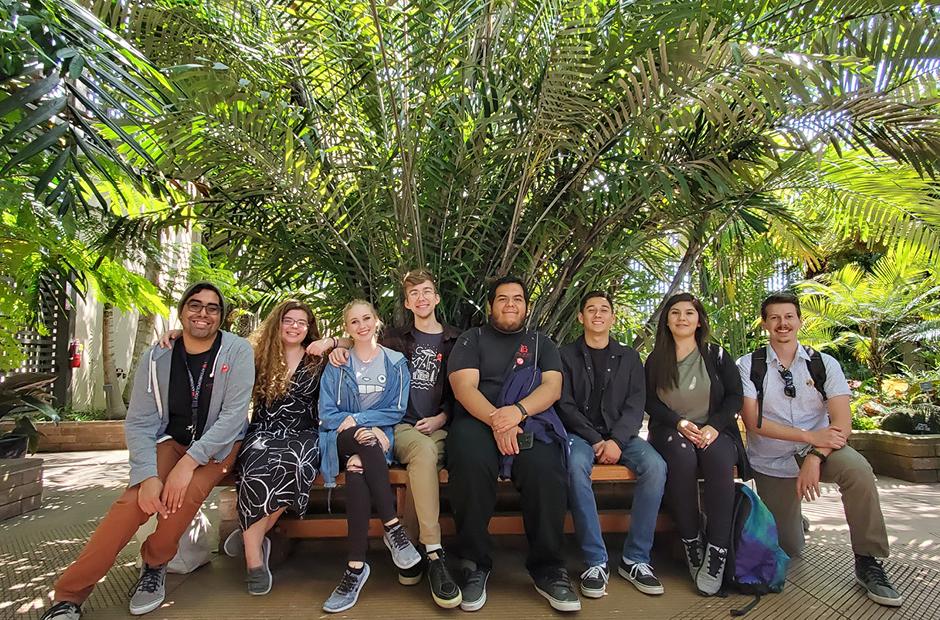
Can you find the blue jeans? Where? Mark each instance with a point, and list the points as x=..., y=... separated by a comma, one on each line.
x=650, y=469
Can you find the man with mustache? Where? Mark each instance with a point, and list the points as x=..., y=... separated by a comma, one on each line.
x=802, y=440
x=484, y=434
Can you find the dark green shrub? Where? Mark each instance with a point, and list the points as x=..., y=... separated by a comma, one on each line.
x=913, y=420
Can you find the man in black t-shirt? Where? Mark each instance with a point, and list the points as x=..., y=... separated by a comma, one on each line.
x=482, y=432
x=602, y=405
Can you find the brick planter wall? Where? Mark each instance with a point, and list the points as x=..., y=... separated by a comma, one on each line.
x=20, y=486
x=915, y=458
x=78, y=436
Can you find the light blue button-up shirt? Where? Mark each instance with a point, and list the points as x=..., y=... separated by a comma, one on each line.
x=807, y=411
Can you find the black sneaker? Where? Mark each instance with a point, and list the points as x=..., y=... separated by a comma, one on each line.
x=412, y=576
x=444, y=589
x=871, y=575
x=694, y=554
x=474, y=586
x=63, y=611
x=641, y=575
x=594, y=581
x=555, y=586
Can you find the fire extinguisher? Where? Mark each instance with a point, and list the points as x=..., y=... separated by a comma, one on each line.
x=75, y=354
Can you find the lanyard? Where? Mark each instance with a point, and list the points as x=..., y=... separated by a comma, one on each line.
x=195, y=389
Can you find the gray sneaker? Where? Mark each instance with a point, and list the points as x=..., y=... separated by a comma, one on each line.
x=259, y=579
x=474, y=586
x=149, y=591
x=404, y=554
x=347, y=592
x=63, y=611
x=234, y=544
x=712, y=572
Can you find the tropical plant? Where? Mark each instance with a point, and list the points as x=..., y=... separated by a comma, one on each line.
x=24, y=399
x=327, y=147
x=873, y=312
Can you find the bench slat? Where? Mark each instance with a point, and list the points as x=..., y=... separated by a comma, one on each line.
x=398, y=476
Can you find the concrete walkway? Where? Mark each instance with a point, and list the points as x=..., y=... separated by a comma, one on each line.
x=35, y=547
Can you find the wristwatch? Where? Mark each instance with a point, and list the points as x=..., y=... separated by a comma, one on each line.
x=817, y=453
x=522, y=410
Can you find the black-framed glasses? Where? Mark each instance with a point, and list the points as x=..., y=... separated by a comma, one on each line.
x=291, y=322
x=196, y=307
x=789, y=388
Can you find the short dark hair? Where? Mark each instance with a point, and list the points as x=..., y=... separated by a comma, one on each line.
x=780, y=297
x=199, y=287
x=498, y=282
x=597, y=293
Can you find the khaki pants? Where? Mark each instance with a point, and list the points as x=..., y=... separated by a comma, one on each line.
x=423, y=457
x=856, y=481
x=125, y=517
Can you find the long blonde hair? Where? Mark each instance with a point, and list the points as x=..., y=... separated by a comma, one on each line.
x=271, y=371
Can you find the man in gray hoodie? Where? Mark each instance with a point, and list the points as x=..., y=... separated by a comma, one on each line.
x=187, y=416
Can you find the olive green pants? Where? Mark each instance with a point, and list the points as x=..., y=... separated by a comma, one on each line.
x=856, y=482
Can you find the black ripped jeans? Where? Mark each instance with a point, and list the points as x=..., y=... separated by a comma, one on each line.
x=363, y=488
x=684, y=462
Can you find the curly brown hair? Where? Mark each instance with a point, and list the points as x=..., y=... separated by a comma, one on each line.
x=271, y=371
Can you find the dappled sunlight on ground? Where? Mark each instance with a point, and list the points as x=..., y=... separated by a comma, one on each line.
x=36, y=547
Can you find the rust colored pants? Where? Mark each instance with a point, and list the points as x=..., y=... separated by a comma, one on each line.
x=125, y=517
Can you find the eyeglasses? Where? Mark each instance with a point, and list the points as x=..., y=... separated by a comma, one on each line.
x=197, y=306
x=789, y=388
x=289, y=322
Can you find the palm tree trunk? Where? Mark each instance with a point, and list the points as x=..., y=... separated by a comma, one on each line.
x=692, y=252
x=114, y=407
x=145, y=324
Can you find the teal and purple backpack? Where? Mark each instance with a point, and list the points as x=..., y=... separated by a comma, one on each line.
x=756, y=564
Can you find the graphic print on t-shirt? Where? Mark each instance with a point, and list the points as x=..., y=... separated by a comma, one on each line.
x=425, y=367
x=371, y=379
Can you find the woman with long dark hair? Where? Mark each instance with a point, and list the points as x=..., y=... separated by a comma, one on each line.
x=693, y=396
x=280, y=454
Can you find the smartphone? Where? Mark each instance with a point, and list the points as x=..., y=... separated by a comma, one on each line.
x=525, y=440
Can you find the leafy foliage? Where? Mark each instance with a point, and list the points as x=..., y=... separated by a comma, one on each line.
x=326, y=147
x=872, y=313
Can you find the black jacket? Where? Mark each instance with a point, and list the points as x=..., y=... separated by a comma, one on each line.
x=403, y=341
x=725, y=401
x=624, y=393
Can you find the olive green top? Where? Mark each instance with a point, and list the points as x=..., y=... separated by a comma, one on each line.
x=691, y=398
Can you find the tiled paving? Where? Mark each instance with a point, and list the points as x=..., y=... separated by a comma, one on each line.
x=80, y=486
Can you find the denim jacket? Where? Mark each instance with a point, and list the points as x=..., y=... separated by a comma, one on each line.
x=339, y=397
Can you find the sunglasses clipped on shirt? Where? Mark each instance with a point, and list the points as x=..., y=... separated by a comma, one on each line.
x=789, y=388
x=196, y=307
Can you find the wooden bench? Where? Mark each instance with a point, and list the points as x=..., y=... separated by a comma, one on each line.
x=608, y=480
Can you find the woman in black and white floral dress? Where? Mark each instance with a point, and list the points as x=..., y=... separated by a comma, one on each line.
x=280, y=454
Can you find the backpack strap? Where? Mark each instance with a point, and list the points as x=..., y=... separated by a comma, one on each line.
x=758, y=372
x=817, y=370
